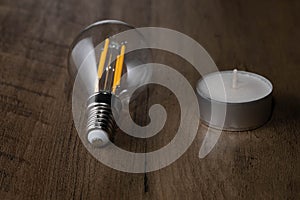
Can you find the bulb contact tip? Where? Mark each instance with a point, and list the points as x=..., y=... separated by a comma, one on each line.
x=98, y=138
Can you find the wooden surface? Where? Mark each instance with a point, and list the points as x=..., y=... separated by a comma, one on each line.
x=41, y=155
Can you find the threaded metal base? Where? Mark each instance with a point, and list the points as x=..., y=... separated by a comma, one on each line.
x=99, y=115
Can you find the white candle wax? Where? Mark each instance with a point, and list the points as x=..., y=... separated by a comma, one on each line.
x=239, y=86
x=234, y=100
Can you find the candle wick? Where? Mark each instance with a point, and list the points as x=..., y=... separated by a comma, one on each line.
x=234, y=78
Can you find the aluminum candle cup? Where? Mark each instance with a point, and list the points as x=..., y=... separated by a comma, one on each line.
x=245, y=97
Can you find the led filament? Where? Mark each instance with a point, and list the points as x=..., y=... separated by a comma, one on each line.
x=111, y=74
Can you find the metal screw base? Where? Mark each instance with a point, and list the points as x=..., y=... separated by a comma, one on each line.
x=100, y=121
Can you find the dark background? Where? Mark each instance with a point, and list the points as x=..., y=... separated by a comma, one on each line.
x=41, y=155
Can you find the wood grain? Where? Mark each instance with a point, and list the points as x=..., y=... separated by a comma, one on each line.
x=41, y=155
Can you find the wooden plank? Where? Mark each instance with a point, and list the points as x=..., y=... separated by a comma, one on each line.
x=41, y=156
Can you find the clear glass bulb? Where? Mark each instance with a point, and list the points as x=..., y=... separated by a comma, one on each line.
x=97, y=61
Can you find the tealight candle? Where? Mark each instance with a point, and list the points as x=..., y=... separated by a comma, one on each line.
x=245, y=96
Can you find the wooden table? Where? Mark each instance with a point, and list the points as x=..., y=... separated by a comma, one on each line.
x=41, y=155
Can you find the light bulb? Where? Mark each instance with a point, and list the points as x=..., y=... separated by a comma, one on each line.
x=97, y=61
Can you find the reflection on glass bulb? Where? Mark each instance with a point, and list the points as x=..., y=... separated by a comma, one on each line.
x=97, y=61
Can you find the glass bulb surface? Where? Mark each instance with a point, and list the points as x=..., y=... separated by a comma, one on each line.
x=97, y=61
